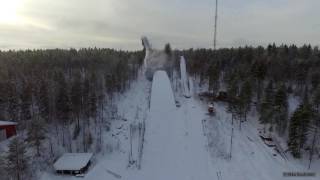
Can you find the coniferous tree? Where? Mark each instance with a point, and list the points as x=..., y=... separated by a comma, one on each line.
x=294, y=133
x=86, y=97
x=307, y=117
x=63, y=109
x=233, y=102
x=214, y=75
x=316, y=99
x=17, y=160
x=167, y=49
x=3, y=172
x=63, y=103
x=36, y=134
x=298, y=129
x=314, y=128
x=266, y=110
x=13, y=102
x=315, y=79
x=92, y=99
x=281, y=109
x=43, y=100
x=76, y=96
x=259, y=70
x=245, y=99
x=26, y=102
x=3, y=100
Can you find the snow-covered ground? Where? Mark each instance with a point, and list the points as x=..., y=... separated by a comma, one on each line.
x=185, y=143
x=251, y=158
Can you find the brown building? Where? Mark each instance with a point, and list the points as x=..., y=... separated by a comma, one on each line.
x=7, y=129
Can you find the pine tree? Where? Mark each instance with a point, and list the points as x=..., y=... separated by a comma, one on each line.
x=93, y=103
x=294, y=140
x=36, y=134
x=167, y=50
x=266, y=110
x=76, y=92
x=3, y=100
x=3, y=172
x=259, y=70
x=307, y=117
x=316, y=99
x=214, y=75
x=26, y=102
x=13, y=102
x=86, y=97
x=43, y=100
x=63, y=103
x=315, y=79
x=298, y=129
x=63, y=108
x=245, y=98
x=281, y=109
x=232, y=91
x=17, y=160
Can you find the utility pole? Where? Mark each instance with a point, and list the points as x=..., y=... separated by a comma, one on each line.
x=215, y=27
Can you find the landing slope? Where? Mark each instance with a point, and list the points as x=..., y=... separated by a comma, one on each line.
x=175, y=146
x=162, y=99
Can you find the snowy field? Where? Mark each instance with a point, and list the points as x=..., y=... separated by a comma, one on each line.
x=185, y=143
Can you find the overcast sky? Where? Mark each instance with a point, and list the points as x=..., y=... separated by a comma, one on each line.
x=184, y=23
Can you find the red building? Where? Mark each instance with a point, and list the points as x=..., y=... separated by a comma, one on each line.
x=7, y=129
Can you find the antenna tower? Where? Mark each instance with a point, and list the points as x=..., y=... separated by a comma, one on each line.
x=215, y=27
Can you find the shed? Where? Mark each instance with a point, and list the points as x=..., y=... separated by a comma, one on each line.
x=73, y=163
x=7, y=129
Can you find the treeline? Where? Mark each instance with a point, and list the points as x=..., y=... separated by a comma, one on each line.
x=59, y=97
x=266, y=79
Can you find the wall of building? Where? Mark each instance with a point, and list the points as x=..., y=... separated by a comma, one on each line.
x=10, y=130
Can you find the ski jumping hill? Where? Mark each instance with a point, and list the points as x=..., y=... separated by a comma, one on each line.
x=162, y=99
x=175, y=146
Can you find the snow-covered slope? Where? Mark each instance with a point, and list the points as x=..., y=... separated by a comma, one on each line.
x=184, y=77
x=184, y=143
x=251, y=158
x=175, y=146
x=162, y=99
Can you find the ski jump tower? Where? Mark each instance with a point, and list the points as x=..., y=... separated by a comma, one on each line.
x=146, y=44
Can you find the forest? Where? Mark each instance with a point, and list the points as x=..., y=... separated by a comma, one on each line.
x=62, y=100
x=265, y=79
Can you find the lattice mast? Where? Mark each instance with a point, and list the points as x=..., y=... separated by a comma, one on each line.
x=215, y=27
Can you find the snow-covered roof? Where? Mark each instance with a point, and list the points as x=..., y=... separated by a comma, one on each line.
x=7, y=123
x=72, y=161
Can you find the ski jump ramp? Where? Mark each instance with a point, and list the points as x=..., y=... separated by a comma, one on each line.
x=162, y=99
x=174, y=146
